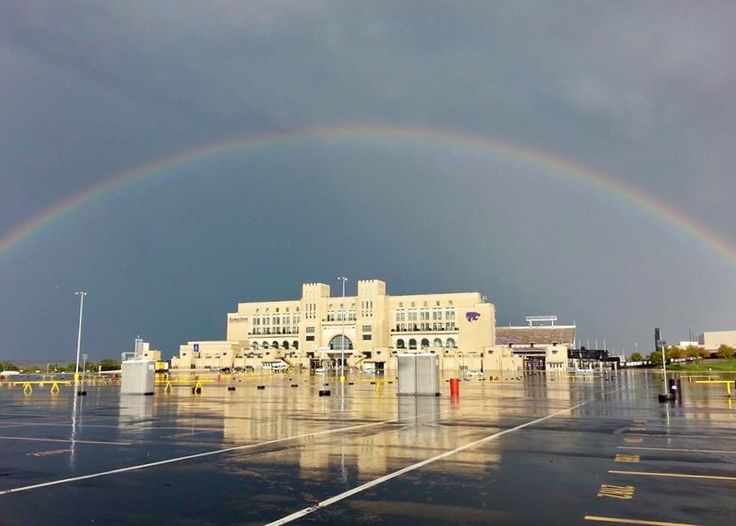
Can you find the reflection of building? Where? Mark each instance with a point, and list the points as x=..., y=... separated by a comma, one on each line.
x=714, y=339
x=371, y=451
x=541, y=344
x=370, y=328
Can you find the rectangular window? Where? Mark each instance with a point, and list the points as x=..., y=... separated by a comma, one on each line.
x=310, y=338
x=310, y=330
x=367, y=337
x=366, y=328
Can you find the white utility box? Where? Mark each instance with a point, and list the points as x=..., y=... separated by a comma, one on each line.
x=138, y=377
x=419, y=374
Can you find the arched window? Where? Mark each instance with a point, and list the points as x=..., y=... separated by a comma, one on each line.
x=412, y=344
x=295, y=344
x=425, y=343
x=284, y=344
x=255, y=346
x=400, y=344
x=341, y=343
x=450, y=343
x=437, y=343
x=274, y=345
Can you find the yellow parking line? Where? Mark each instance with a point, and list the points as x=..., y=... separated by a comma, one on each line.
x=620, y=457
x=680, y=450
x=635, y=521
x=674, y=475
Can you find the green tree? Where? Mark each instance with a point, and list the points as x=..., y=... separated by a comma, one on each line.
x=8, y=366
x=692, y=352
x=726, y=351
x=676, y=353
x=636, y=357
x=656, y=357
x=108, y=364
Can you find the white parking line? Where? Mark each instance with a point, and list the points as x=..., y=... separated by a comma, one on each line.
x=198, y=455
x=358, y=489
x=36, y=439
x=682, y=450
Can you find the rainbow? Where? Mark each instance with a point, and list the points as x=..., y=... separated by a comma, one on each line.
x=380, y=132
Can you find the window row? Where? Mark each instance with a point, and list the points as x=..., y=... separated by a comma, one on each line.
x=341, y=316
x=424, y=304
x=424, y=343
x=424, y=315
x=275, y=345
x=425, y=326
x=276, y=320
x=275, y=330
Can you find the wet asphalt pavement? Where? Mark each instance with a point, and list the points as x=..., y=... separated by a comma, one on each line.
x=552, y=449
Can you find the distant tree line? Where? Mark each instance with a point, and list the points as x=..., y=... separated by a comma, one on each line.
x=107, y=364
x=674, y=352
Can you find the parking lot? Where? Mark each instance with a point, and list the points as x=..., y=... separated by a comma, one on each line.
x=542, y=449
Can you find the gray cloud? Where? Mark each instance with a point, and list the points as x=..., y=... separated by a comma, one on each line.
x=641, y=92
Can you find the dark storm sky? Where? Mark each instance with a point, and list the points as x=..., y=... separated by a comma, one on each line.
x=642, y=92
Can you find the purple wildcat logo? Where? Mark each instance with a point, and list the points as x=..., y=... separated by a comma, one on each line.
x=472, y=315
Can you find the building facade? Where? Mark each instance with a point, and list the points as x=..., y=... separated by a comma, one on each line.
x=367, y=330
x=712, y=340
x=541, y=344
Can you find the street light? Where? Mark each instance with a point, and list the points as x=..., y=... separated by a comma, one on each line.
x=84, y=368
x=81, y=295
x=342, y=344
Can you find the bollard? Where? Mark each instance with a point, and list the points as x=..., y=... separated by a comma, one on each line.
x=675, y=388
x=454, y=387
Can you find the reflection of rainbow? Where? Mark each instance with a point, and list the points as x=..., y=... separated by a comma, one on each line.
x=422, y=136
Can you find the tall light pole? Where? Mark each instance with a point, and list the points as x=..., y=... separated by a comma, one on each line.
x=81, y=295
x=342, y=345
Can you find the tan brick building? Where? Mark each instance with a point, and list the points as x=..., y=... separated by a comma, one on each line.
x=370, y=328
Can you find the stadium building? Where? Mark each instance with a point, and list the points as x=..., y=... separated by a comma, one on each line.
x=541, y=344
x=368, y=331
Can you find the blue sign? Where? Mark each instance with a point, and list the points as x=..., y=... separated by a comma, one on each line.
x=196, y=347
